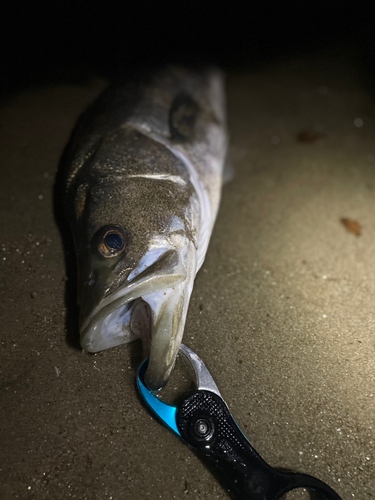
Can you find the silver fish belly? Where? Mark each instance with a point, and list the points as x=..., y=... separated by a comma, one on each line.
x=143, y=175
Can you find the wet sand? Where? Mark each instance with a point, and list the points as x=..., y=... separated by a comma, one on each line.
x=282, y=311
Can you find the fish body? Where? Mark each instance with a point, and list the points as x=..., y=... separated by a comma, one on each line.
x=143, y=175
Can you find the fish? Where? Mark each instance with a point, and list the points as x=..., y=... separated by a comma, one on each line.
x=143, y=173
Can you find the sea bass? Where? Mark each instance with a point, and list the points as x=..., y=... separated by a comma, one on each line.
x=143, y=175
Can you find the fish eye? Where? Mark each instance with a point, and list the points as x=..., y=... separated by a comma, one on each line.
x=110, y=240
x=113, y=241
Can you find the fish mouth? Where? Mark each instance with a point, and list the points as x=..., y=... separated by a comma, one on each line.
x=109, y=324
x=110, y=327
x=153, y=307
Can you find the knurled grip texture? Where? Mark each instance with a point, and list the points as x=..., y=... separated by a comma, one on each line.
x=205, y=423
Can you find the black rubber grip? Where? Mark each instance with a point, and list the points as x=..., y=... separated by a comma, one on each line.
x=206, y=425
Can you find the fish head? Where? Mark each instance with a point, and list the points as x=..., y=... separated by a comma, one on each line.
x=136, y=262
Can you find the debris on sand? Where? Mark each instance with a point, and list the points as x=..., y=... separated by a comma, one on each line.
x=308, y=137
x=351, y=226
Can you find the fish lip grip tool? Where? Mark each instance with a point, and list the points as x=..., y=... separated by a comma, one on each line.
x=203, y=421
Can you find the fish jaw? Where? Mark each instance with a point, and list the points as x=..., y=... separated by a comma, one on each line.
x=108, y=323
x=153, y=307
x=169, y=309
x=167, y=331
x=110, y=330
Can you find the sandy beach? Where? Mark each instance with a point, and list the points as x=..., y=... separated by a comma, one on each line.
x=282, y=311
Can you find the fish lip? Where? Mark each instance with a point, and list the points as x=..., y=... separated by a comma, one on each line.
x=106, y=306
x=86, y=339
x=145, y=282
x=126, y=294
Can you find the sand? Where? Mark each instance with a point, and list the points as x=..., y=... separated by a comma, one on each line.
x=282, y=311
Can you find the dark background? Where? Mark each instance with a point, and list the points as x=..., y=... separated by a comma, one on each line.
x=56, y=40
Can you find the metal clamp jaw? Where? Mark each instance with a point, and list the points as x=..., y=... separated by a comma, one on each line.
x=203, y=421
